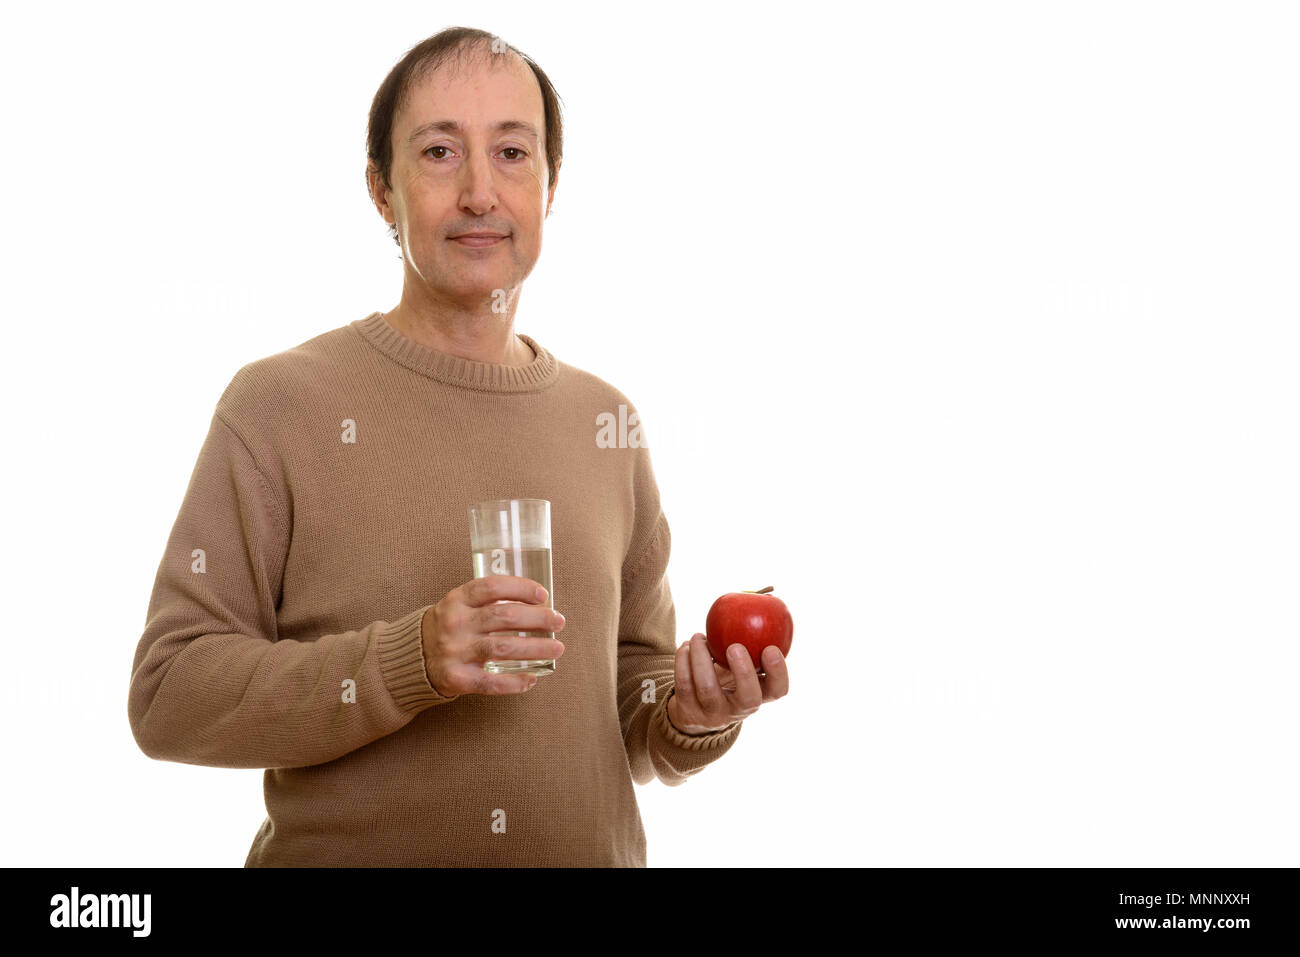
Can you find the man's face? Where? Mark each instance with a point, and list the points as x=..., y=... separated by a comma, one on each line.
x=473, y=174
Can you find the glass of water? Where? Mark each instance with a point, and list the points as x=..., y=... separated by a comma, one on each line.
x=513, y=537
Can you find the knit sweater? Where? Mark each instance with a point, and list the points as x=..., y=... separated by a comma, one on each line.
x=326, y=513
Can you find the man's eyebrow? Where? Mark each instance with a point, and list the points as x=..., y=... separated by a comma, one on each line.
x=451, y=126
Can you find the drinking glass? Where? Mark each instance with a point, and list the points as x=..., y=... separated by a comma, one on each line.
x=513, y=537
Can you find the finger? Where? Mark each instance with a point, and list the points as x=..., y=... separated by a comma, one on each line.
x=683, y=687
x=522, y=684
x=777, y=682
x=707, y=690
x=485, y=591
x=749, y=693
x=514, y=616
x=726, y=680
x=501, y=648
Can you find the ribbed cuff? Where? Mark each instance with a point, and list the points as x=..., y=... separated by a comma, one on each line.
x=692, y=742
x=401, y=662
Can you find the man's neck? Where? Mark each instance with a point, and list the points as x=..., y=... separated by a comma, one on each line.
x=480, y=339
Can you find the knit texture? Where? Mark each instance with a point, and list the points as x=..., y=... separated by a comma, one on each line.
x=301, y=564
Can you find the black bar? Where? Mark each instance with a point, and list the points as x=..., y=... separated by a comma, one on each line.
x=975, y=905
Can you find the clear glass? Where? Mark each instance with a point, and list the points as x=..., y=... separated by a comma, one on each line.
x=513, y=537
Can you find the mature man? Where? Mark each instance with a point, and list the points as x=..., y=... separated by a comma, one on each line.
x=312, y=613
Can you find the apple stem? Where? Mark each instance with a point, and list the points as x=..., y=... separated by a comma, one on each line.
x=761, y=591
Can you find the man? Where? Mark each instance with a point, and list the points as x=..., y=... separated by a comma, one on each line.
x=312, y=613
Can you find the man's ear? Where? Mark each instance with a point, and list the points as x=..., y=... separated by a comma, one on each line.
x=378, y=192
x=550, y=190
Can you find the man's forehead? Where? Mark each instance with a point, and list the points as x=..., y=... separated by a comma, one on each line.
x=456, y=128
x=426, y=107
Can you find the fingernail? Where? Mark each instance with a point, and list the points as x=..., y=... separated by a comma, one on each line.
x=736, y=652
x=560, y=617
x=540, y=593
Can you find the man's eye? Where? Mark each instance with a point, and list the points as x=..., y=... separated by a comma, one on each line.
x=508, y=149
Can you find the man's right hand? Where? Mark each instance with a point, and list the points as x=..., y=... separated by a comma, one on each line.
x=456, y=642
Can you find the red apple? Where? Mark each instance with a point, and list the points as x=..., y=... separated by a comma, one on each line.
x=754, y=619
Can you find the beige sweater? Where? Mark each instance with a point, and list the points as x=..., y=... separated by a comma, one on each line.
x=325, y=514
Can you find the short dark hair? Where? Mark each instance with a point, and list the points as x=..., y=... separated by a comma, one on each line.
x=421, y=60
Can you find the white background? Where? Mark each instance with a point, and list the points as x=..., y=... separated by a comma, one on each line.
x=971, y=327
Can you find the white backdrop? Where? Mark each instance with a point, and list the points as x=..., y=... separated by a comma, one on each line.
x=970, y=327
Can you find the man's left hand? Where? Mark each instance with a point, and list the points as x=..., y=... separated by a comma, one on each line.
x=707, y=697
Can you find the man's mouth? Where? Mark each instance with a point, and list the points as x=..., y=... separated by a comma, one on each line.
x=478, y=239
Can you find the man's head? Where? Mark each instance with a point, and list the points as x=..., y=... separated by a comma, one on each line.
x=465, y=136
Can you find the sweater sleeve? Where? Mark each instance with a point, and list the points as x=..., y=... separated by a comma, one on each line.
x=646, y=649
x=213, y=684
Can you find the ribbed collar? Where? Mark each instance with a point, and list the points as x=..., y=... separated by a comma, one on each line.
x=539, y=374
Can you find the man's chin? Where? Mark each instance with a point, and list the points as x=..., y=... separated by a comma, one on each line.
x=473, y=294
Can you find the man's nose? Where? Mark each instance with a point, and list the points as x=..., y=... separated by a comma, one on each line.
x=478, y=186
